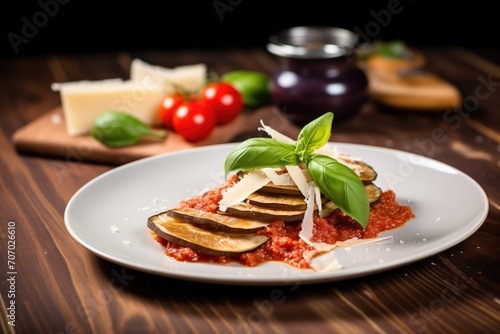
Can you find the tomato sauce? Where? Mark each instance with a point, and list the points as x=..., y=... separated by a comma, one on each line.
x=284, y=244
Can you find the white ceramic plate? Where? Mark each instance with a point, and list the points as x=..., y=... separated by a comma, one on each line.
x=108, y=215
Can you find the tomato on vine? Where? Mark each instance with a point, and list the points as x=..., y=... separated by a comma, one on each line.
x=224, y=99
x=194, y=120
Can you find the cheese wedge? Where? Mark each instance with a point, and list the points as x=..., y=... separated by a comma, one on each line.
x=83, y=101
x=186, y=77
x=140, y=96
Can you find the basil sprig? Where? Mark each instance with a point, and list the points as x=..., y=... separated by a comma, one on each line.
x=117, y=129
x=336, y=181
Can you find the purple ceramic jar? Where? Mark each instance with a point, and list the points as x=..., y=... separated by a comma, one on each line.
x=317, y=73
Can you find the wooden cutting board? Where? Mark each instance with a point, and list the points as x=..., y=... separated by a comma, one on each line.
x=47, y=136
x=405, y=84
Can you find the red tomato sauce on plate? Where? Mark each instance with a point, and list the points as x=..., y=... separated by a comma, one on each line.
x=284, y=243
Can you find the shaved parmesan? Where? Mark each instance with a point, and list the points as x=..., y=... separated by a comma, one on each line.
x=278, y=179
x=299, y=178
x=276, y=134
x=333, y=152
x=356, y=168
x=359, y=242
x=317, y=196
x=306, y=232
x=326, y=263
x=328, y=150
x=248, y=184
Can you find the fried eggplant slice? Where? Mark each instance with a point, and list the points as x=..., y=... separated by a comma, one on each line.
x=258, y=212
x=219, y=221
x=373, y=192
x=281, y=190
x=211, y=242
x=279, y=202
x=365, y=172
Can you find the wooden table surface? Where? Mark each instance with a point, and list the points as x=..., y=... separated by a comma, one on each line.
x=58, y=286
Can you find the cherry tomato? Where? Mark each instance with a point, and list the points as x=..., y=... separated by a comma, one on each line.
x=194, y=120
x=225, y=100
x=168, y=107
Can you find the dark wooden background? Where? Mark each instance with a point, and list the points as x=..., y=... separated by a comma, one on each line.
x=51, y=26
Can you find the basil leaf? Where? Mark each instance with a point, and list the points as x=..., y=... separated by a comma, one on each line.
x=256, y=153
x=341, y=185
x=314, y=135
x=117, y=129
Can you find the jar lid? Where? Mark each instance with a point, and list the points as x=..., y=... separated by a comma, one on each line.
x=313, y=42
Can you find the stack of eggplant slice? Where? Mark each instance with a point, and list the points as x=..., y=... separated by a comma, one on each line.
x=233, y=232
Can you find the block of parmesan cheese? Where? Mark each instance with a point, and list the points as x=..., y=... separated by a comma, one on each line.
x=186, y=77
x=83, y=101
